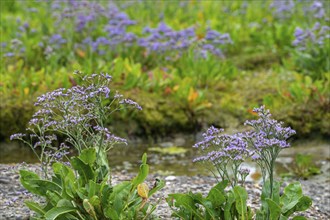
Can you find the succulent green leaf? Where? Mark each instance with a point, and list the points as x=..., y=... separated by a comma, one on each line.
x=64, y=202
x=143, y=172
x=58, y=211
x=216, y=195
x=37, y=186
x=88, y=156
x=241, y=198
x=228, y=206
x=53, y=197
x=106, y=192
x=291, y=196
x=274, y=209
x=26, y=177
x=35, y=207
x=85, y=171
x=187, y=202
x=144, y=158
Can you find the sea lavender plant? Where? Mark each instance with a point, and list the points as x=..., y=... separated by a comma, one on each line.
x=312, y=46
x=79, y=115
x=266, y=141
x=308, y=38
x=224, y=152
x=81, y=188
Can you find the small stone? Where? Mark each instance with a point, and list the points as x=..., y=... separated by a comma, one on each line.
x=170, y=178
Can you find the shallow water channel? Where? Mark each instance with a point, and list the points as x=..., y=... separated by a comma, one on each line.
x=169, y=159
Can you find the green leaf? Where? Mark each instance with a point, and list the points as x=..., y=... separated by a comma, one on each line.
x=143, y=172
x=228, y=205
x=85, y=171
x=35, y=207
x=282, y=217
x=53, y=197
x=188, y=202
x=92, y=188
x=291, y=196
x=26, y=177
x=274, y=209
x=95, y=201
x=158, y=185
x=144, y=158
x=118, y=196
x=89, y=208
x=217, y=195
x=240, y=198
x=40, y=187
x=63, y=171
x=64, y=202
x=67, y=178
x=106, y=192
x=88, y=156
x=58, y=211
x=276, y=192
x=304, y=203
x=210, y=211
x=111, y=213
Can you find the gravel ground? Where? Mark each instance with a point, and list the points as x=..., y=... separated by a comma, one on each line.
x=12, y=194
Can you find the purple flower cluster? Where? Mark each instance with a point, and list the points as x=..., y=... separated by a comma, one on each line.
x=225, y=152
x=78, y=113
x=267, y=139
x=317, y=8
x=109, y=137
x=311, y=38
x=131, y=103
x=15, y=48
x=263, y=144
x=104, y=28
x=164, y=39
x=213, y=39
x=86, y=17
x=282, y=8
x=267, y=127
x=222, y=147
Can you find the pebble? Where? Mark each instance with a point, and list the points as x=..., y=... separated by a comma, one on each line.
x=170, y=178
x=12, y=194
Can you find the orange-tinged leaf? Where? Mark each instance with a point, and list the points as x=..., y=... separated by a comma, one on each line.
x=167, y=90
x=81, y=53
x=192, y=95
x=256, y=176
x=287, y=94
x=200, y=36
x=252, y=112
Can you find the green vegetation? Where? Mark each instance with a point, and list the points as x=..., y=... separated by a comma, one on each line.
x=227, y=57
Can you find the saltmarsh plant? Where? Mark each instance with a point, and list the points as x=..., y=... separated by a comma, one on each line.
x=81, y=188
x=224, y=155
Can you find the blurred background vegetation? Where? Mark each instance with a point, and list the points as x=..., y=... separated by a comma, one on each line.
x=189, y=64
